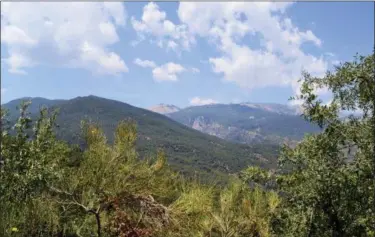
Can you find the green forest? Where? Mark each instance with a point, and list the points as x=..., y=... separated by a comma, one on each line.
x=323, y=186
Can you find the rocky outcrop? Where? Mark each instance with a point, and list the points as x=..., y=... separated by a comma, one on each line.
x=164, y=109
x=230, y=133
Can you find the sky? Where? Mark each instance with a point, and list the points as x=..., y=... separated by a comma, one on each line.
x=188, y=53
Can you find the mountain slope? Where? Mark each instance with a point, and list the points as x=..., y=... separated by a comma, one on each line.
x=246, y=123
x=36, y=104
x=187, y=149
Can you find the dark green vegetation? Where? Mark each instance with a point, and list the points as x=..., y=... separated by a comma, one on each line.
x=246, y=123
x=34, y=107
x=49, y=188
x=327, y=193
x=187, y=150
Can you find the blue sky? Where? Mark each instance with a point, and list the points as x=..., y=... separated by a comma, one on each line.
x=176, y=53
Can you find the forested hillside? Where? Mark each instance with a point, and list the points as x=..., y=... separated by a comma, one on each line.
x=186, y=149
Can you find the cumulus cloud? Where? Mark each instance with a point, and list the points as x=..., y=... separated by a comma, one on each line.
x=164, y=32
x=167, y=72
x=279, y=60
x=62, y=34
x=144, y=63
x=196, y=101
x=11, y=34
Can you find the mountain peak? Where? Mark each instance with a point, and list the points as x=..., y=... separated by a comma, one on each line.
x=164, y=108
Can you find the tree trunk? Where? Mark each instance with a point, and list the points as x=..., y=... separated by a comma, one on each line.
x=98, y=224
x=97, y=217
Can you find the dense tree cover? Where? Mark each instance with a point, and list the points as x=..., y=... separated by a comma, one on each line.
x=329, y=187
x=49, y=188
x=188, y=151
x=325, y=186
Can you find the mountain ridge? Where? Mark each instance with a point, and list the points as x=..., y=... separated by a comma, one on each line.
x=271, y=107
x=247, y=122
x=188, y=150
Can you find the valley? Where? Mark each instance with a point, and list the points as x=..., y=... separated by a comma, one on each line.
x=188, y=150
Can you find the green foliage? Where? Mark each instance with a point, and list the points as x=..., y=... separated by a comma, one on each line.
x=50, y=188
x=28, y=164
x=328, y=186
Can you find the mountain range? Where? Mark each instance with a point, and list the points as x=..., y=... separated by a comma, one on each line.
x=271, y=107
x=188, y=150
x=246, y=123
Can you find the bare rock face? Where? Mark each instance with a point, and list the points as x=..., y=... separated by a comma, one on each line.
x=205, y=125
x=200, y=123
x=213, y=128
x=164, y=109
x=247, y=122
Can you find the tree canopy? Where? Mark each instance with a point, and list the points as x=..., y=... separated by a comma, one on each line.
x=328, y=181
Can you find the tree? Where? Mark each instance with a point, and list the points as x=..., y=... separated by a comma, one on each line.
x=329, y=186
x=30, y=159
x=46, y=192
x=112, y=188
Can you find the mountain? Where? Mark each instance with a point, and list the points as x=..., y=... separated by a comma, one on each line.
x=275, y=108
x=36, y=104
x=247, y=122
x=187, y=150
x=164, y=109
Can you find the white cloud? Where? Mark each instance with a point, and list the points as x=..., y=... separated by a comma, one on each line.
x=279, y=61
x=109, y=63
x=16, y=61
x=172, y=45
x=144, y=63
x=195, y=70
x=116, y=11
x=72, y=34
x=11, y=34
x=166, y=34
x=167, y=72
x=3, y=90
x=196, y=101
